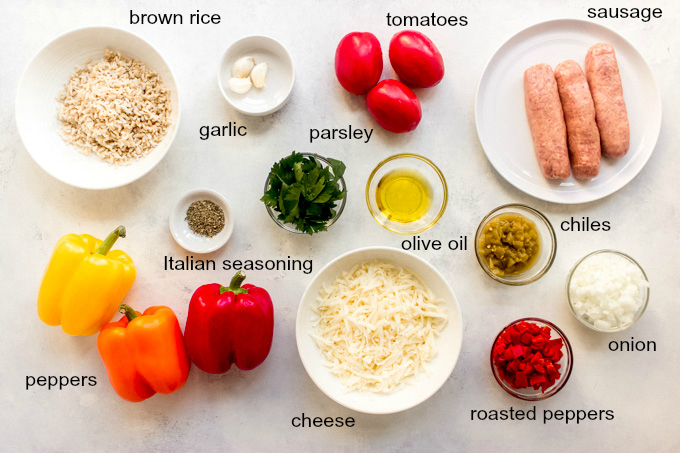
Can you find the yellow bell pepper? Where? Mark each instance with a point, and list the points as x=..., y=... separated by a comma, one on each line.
x=84, y=283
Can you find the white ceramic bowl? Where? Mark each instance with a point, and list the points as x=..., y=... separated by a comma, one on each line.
x=186, y=238
x=448, y=343
x=37, y=105
x=503, y=128
x=279, y=81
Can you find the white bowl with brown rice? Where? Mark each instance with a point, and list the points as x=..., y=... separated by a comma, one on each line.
x=97, y=107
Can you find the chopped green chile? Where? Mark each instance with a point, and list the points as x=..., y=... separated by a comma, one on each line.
x=509, y=244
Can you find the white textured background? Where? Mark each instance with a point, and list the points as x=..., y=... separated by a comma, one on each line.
x=252, y=411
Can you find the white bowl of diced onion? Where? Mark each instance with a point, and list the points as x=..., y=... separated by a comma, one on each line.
x=416, y=389
x=607, y=291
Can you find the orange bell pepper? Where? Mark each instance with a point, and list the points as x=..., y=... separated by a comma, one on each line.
x=144, y=354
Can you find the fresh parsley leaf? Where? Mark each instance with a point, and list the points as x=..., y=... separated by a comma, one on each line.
x=294, y=192
x=338, y=168
x=297, y=169
x=325, y=195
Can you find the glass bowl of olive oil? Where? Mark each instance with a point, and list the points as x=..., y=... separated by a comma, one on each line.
x=406, y=194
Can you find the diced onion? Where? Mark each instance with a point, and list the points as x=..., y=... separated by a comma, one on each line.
x=607, y=290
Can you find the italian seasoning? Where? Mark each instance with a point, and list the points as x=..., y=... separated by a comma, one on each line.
x=205, y=218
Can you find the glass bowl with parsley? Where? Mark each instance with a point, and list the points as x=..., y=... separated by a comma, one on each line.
x=305, y=193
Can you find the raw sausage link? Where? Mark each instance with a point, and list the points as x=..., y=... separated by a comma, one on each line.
x=546, y=121
x=604, y=79
x=579, y=114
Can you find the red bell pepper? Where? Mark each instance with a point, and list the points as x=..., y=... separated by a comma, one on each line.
x=229, y=325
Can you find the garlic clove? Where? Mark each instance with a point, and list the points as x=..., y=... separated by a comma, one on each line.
x=258, y=74
x=242, y=67
x=239, y=86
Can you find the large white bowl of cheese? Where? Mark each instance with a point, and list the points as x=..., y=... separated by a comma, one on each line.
x=418, y=388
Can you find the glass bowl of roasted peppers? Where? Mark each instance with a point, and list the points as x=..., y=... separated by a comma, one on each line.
x=531, y=359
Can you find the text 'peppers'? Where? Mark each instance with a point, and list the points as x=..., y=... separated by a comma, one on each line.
x=144, y=354
x=229, y=325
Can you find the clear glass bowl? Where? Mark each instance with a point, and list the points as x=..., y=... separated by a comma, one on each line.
x=566, y=362
x=644, y=292
x=548, y=245
x=339, y=205
x=432, y=175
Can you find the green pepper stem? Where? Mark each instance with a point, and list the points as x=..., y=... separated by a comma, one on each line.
x=128, y=311
x=111, y=239
x=235, y=284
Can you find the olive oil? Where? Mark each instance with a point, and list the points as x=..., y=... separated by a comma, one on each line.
x=403, y=195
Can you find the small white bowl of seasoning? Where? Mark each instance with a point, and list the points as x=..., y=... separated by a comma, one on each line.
x=201, y=221
x=240, y=62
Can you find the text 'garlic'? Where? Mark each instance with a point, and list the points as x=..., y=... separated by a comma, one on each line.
x=242, y=67
x=258, y=74
x=239, y=86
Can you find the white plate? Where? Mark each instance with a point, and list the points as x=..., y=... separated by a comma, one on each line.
x=448, y=343
x=36, y=106
x=191, y=241
x=279, y=81
x=501, y=117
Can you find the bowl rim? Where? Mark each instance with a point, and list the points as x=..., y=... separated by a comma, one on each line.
x=460, y=325
x=552, y=237
x=339, y=211
x=228, y=214
x=640, y=311
x=552, y=391
x=432, y=165
x=289, y=91
x=173, y=78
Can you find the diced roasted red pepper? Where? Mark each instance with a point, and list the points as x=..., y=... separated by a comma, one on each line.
x=537, y=379
x=550, y=368
x=521, y=380
x=525, y=356
x=538, y=342
x=517, y=351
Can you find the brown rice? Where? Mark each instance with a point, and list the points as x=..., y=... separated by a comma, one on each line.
x=116, y=108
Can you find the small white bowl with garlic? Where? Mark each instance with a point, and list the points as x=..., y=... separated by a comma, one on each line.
x=256, y=75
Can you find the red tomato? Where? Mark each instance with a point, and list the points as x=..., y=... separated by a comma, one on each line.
x=394, y=106
x=416, y=59
x=358, y=62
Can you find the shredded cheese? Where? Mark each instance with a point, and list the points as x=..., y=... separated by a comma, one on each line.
x=376, y=326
